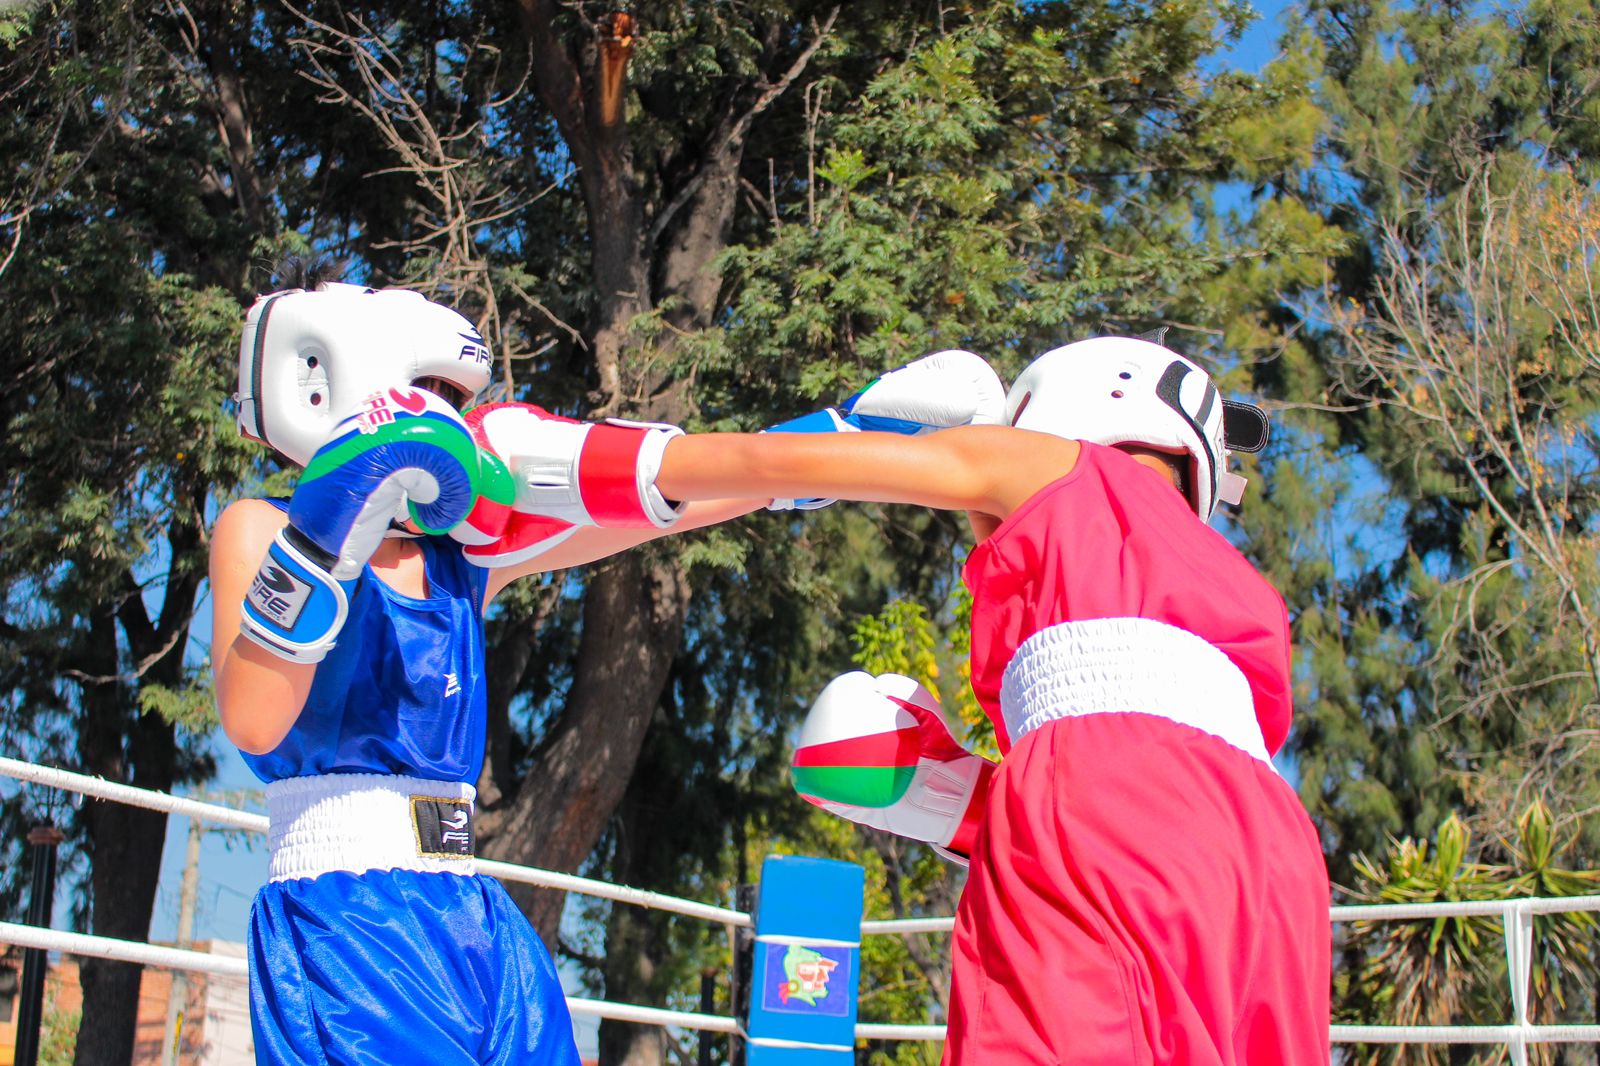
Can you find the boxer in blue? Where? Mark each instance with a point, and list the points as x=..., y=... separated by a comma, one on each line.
x=357, y=691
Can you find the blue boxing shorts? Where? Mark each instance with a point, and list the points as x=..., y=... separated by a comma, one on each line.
x=392, y=966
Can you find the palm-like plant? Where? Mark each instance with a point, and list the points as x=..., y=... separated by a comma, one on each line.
x=1453, y=970
x=1563, y=944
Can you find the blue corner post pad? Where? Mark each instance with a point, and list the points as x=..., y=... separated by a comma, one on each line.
x=807, y=966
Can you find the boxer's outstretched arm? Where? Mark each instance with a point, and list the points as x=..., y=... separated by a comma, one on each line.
x=991, y=470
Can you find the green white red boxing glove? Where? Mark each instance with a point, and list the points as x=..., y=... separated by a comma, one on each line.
x=938, y=391
x=880, y=752
x=566, y=474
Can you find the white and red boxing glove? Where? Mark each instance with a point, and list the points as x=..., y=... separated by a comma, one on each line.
x=938, y=391
x=566, y=474
x=879, y=751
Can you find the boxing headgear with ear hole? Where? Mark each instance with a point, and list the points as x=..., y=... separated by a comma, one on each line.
x=308, y=359
x=1118, y=390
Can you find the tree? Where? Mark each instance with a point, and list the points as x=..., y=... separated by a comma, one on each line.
x=115, y=447
x=145, y=188
x=1440, y=658
x=1428, y=508
x=1479, y=345
x=944, y=205
x=980, y=179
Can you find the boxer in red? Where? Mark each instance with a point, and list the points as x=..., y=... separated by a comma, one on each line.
x=1144, y=887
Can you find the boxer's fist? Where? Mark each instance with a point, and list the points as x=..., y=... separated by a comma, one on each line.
x=938, y=391
x=878, y=751
x=585, y=473
x=564, y=474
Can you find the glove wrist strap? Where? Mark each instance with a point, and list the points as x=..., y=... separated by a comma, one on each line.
x=294, y=607
x=306, y=548
x=616, y=450
x=966, y=834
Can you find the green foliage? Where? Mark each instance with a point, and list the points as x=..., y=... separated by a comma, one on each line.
x=918, y=236
x=192, y=708
x=1432, y=484
x=15, y=23
x=898, y=640
x=903, y=639
x=1452, y=970
x=58, y=1038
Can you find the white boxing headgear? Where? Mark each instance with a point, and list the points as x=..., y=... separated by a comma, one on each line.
x=1118, y=390
x=309, y=358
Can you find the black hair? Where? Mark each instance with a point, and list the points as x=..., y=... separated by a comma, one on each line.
x=306, y=272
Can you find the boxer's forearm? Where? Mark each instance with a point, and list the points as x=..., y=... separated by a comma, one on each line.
x=260, y=696
x=955, y=469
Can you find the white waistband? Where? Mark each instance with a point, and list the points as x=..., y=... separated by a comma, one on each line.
x=361, y=822
x=1129, y=665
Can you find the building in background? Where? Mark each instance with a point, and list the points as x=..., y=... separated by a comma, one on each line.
x=215, y=1029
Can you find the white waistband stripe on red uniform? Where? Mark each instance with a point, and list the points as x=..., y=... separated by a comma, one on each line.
x=1133, y=666
x=360, y=822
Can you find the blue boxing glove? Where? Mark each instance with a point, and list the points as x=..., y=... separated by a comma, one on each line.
x=938, y=391
x=407, y=449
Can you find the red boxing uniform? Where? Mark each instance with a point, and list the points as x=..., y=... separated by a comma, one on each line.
x=1145, y=888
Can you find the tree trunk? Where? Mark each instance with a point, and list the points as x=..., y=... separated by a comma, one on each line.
x=632, y=624
x=634, y=940
x=124, y=843
x=649, y=246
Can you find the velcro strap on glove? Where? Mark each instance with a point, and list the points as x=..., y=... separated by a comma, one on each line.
x=585, y=473
x=961, y=843
x=609, y=481
x=294, y=607
x=618, y=454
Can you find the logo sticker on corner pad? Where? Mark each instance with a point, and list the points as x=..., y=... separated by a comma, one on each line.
x=806, y=980
x=443, y=827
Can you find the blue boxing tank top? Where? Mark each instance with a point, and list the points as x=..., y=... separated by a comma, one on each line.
x=402, y=692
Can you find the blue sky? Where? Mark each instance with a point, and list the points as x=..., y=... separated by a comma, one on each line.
x=1259, y=45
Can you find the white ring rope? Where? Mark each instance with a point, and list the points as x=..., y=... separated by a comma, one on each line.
x=624, y=1012
x=1363, y=912
x=903, y=926
x=28, y=936
x=1387, y=912
x=67, y=781
x=99, y=787
x=104, y=947
x=1465, y=1034
x=506, y=871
